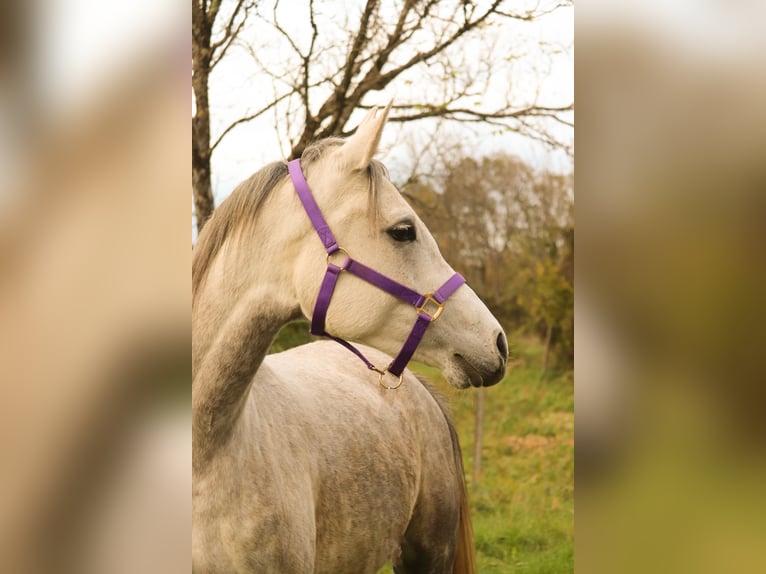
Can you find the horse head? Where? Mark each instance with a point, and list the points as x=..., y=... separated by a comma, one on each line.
x=376, y=226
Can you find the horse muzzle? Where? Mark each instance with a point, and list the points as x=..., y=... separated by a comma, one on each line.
x=476, y=375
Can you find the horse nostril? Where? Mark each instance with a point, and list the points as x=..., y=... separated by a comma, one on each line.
x=502, y=345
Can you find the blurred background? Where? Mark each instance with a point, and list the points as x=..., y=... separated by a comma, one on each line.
x=94, y=287
x=669, y=378
x=669, y=384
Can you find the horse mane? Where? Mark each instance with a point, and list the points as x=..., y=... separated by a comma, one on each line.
x=229, y=218
x=238, y=213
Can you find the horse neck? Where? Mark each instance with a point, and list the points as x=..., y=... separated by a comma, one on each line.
x=234, y=321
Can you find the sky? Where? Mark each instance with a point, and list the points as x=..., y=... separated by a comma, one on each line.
x=236, y=87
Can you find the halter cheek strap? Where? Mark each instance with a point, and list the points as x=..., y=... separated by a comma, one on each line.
x=429, y=306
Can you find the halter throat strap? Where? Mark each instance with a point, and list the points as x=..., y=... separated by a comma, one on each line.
x=429, y=306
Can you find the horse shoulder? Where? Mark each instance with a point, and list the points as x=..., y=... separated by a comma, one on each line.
x=368, y=447
x=253, y=504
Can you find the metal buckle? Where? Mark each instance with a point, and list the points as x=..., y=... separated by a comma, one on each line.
x=339, y=250
x=381, y=374
x=429, y=299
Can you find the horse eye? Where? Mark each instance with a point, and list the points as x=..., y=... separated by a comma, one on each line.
x=402, y=232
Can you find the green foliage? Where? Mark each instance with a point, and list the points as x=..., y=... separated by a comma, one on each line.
x=291, y=335
x=509, y=229
x=547, y=296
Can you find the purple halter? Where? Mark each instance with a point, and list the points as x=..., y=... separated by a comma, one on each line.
x=428, y=306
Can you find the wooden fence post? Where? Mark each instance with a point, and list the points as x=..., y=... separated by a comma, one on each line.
x=478, y=434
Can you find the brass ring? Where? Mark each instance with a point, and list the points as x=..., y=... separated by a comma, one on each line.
x=385, y=386
x=339, y=250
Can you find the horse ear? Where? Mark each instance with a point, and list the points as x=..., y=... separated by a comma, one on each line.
x=359, y=148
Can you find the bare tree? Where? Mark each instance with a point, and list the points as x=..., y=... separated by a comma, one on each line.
x=419, y=44
x=212, y=35
x=442, y=58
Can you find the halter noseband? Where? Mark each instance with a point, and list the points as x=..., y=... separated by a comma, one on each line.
x=428, y=306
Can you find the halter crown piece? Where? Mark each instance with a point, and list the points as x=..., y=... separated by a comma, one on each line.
x=428, y=306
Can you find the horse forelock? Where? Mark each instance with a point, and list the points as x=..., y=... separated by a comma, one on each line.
x=238, y=213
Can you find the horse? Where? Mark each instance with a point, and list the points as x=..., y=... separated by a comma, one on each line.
x=306, y=461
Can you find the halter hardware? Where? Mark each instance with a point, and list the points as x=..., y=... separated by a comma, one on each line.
x=429, y=299
x=382, y=374
x=429, y=306
x=341, y=251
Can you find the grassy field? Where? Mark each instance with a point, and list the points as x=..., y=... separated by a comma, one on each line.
x=523, y=504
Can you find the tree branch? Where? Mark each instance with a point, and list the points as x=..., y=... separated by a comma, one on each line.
x=375, y=80
x=249, y=117
x=232, y=37
x=278, y=27
x=227, y=31
x=360, y=40
x=443, y=110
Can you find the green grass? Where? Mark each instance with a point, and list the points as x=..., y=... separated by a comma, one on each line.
x=523, y=504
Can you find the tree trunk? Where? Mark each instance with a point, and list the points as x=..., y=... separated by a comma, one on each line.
x=478, y=434
x=201, y=181
x=202, y=188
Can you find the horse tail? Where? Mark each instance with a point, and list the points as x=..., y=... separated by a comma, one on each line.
x=465, y=554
